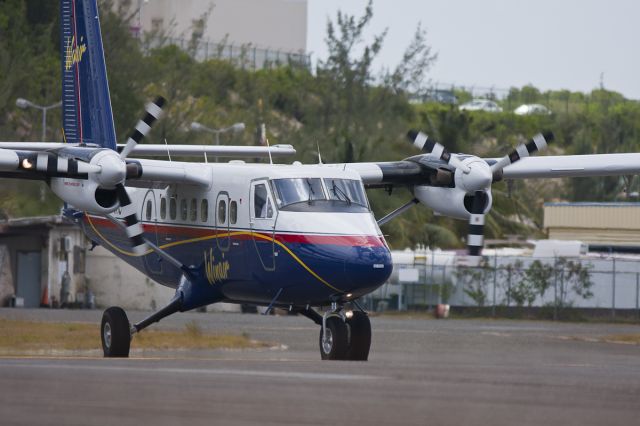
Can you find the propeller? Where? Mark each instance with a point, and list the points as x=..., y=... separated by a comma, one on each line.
x=133, y=227
x=538, y=143
x=475, y=239
x=474, y=176
x=434, y=148
x=154, y=112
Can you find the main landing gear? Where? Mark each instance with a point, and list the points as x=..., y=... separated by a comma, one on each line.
x=344, y=335
x=117, y=332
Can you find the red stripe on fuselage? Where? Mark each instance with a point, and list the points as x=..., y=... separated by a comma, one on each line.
x=188, y=232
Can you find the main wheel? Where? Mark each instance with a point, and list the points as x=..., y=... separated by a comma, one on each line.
x=335, y=342
x=360, y=337
x=116, y=335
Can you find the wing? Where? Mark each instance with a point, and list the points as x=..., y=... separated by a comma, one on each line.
x=573, y=166
x=159, y=150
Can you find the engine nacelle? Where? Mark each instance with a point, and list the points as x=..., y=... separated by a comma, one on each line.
x=451, y=202
x=85, y=194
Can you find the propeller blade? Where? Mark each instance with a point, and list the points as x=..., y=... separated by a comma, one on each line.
x=134, y=228
x=537, y=143
x=53, y=165
x=475, y=239
x=154, y=112
x=431, y=147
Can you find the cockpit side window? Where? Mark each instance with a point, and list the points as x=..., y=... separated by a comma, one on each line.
x=260, y=201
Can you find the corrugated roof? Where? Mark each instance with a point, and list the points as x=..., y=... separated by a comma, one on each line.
x=592, y=204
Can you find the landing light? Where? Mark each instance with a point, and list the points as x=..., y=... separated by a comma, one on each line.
x=349, y=295
x=26, y=164
x=348, y=314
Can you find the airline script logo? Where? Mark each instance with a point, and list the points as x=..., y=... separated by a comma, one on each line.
x=73, y=52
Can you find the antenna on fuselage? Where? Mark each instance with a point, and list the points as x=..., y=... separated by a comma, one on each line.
x=319, y=155
x=265, y=140
x=167, y=145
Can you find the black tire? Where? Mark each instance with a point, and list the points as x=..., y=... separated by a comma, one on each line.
x=335, y=348
x=360, y=337
x=115, y=333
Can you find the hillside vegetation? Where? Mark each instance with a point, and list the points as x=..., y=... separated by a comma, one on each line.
x=344, y=106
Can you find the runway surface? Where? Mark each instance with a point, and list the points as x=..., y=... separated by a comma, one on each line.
x=451, y=372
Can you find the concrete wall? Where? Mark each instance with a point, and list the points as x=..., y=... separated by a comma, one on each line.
x=115, y=283
x=6, y=277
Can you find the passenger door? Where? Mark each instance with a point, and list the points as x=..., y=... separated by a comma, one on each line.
x=149, y=216
x=263, y=216
x=221, y=220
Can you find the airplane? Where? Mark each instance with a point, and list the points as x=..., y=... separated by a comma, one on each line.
x=294, y=236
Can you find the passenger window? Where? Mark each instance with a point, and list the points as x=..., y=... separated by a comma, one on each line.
x=163, y=208
x=183, y=209
x=233, y=212
x=260, y=201
x=148, y=215
x=204, y=210
x=222, y=212
x=173, y=208
x=194, y=210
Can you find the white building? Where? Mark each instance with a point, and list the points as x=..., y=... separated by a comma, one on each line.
x=263, y=31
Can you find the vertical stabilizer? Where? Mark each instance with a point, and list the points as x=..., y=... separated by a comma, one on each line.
x=87, y=115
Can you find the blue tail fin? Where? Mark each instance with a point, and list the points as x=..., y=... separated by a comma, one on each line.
x=87, y=115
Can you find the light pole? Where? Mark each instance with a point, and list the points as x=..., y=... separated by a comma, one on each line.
x=24, y=104
x=235, y=128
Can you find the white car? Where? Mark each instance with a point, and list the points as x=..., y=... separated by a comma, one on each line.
x=481, y=105
x=530, y=109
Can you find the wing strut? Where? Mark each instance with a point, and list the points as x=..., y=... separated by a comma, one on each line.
x=398, y=211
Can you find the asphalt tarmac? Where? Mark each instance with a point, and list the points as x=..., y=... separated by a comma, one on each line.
x=421, y=371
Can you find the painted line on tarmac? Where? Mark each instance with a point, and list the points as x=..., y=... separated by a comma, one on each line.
x=198, y=371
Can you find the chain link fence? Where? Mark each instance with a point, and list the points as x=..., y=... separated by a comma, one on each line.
x=606, y=286
x=243, y=56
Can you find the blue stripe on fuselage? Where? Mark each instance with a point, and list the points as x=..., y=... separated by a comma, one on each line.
x=246, y=269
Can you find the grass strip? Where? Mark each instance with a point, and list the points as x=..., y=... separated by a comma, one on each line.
x=32, y=336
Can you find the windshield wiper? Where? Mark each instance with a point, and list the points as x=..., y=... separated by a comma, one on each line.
x=311, y=191
x=335, y=190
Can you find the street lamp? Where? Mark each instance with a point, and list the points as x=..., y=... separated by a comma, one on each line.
x=24, y=104
x=234, y=128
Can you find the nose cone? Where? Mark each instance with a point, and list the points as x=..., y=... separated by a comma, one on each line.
x=113, y=170
x=478, y=178
x=366, y=268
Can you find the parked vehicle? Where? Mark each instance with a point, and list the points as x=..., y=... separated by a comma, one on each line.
x=481, y=105
x=443, y=97
x=530, y=109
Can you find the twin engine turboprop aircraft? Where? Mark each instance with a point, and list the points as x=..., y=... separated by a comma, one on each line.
x=294, y=236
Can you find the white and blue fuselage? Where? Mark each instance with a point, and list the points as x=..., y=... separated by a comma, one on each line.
x=253, y=231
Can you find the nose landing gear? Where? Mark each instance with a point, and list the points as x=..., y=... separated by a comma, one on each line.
x=345, y=335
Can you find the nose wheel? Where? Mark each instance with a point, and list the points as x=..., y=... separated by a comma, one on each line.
x=345, y=337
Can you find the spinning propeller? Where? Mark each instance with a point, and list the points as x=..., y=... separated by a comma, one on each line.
x=102, y=174
x=474, y=176
x=132, y=223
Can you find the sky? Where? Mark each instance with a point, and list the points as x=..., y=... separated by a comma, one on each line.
x=552, y=44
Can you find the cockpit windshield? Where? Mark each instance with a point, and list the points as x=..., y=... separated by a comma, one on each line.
x=315, y=194
x=346, y=190
x=290, y=191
